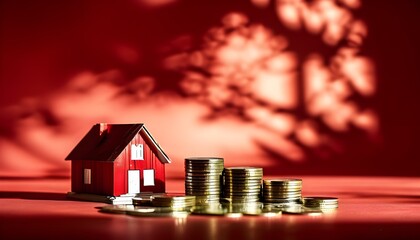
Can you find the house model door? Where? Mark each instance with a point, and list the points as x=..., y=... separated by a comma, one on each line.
x=133, y=181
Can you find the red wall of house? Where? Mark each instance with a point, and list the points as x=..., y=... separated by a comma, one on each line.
x=124, y=163
x=101, y=177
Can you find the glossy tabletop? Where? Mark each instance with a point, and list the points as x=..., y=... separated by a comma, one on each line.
x=369, y=208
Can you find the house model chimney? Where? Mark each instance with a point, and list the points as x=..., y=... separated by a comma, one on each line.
x=103, y=128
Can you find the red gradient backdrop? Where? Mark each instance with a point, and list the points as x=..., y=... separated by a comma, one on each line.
x=298, y=87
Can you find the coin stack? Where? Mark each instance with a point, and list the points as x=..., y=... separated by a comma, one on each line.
x=282, y=191
x=242, y=184
x=145, y=199
x=203, y=179
x=174, y=202
x=323, y=203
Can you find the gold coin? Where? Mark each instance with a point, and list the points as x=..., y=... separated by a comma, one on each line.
x=243, y=169
x=207, y=198
x=237, y=182
x=281, y=188
x=204, y=160
x=204, y=169
x=142, y=201
x=244, y=176
x=169, y=204
x=173, y=200
x=283, y=201
x=201, y=193
x=203, y=178
x=186, y=199
x=174, y=196
x=177, y=206
x=242, y=187
x=203, y=186
x=242, y=207
x=154, y=213
x=202, y=175
x=300, y=210
x=204, y=163
x=237, y=200
x=203, y=166
x=242, y=195
x=117, y=209
x=318, y=200
x=214, y=190
x=264, y=191
x=243, y=192
x=281, y=197
x=242, y=181
x=208, y=188
x=202, y=183
x=274, y=194
x=285, y=181
x=239, y=197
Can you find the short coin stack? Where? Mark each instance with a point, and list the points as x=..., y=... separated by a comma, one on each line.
x=323, y=203
x=203, y=179
x=242, y=184
x=282, y=191
x=174, y=202
x=145, y=199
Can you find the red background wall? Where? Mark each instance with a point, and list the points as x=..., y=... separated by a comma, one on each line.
x=44, y=44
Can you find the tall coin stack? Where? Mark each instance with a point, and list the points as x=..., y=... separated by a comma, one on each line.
x=203, y=179
x=242, y=184
x=282, y=191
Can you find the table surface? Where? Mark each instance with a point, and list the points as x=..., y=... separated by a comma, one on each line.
x=369, y=208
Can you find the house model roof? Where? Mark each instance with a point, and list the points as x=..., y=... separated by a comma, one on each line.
x=106, y=144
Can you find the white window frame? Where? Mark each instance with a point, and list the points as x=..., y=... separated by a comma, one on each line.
x=148, y=177
x=137, y=152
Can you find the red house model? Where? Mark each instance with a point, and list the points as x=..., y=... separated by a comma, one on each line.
x=117, y=160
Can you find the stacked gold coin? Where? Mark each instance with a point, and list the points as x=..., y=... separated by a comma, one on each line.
x=145, y=199
x=323, y=203
x=282, y=190
x=174, y=201
x=203, y=179
x=242, y=184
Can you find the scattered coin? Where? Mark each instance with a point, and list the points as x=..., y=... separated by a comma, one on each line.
x=321, y=202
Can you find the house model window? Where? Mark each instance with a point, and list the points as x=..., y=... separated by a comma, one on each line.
x=87, y=177
x=149, y=177
x=137, y=152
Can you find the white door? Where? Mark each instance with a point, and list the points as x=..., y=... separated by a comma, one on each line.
x=133, y=181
